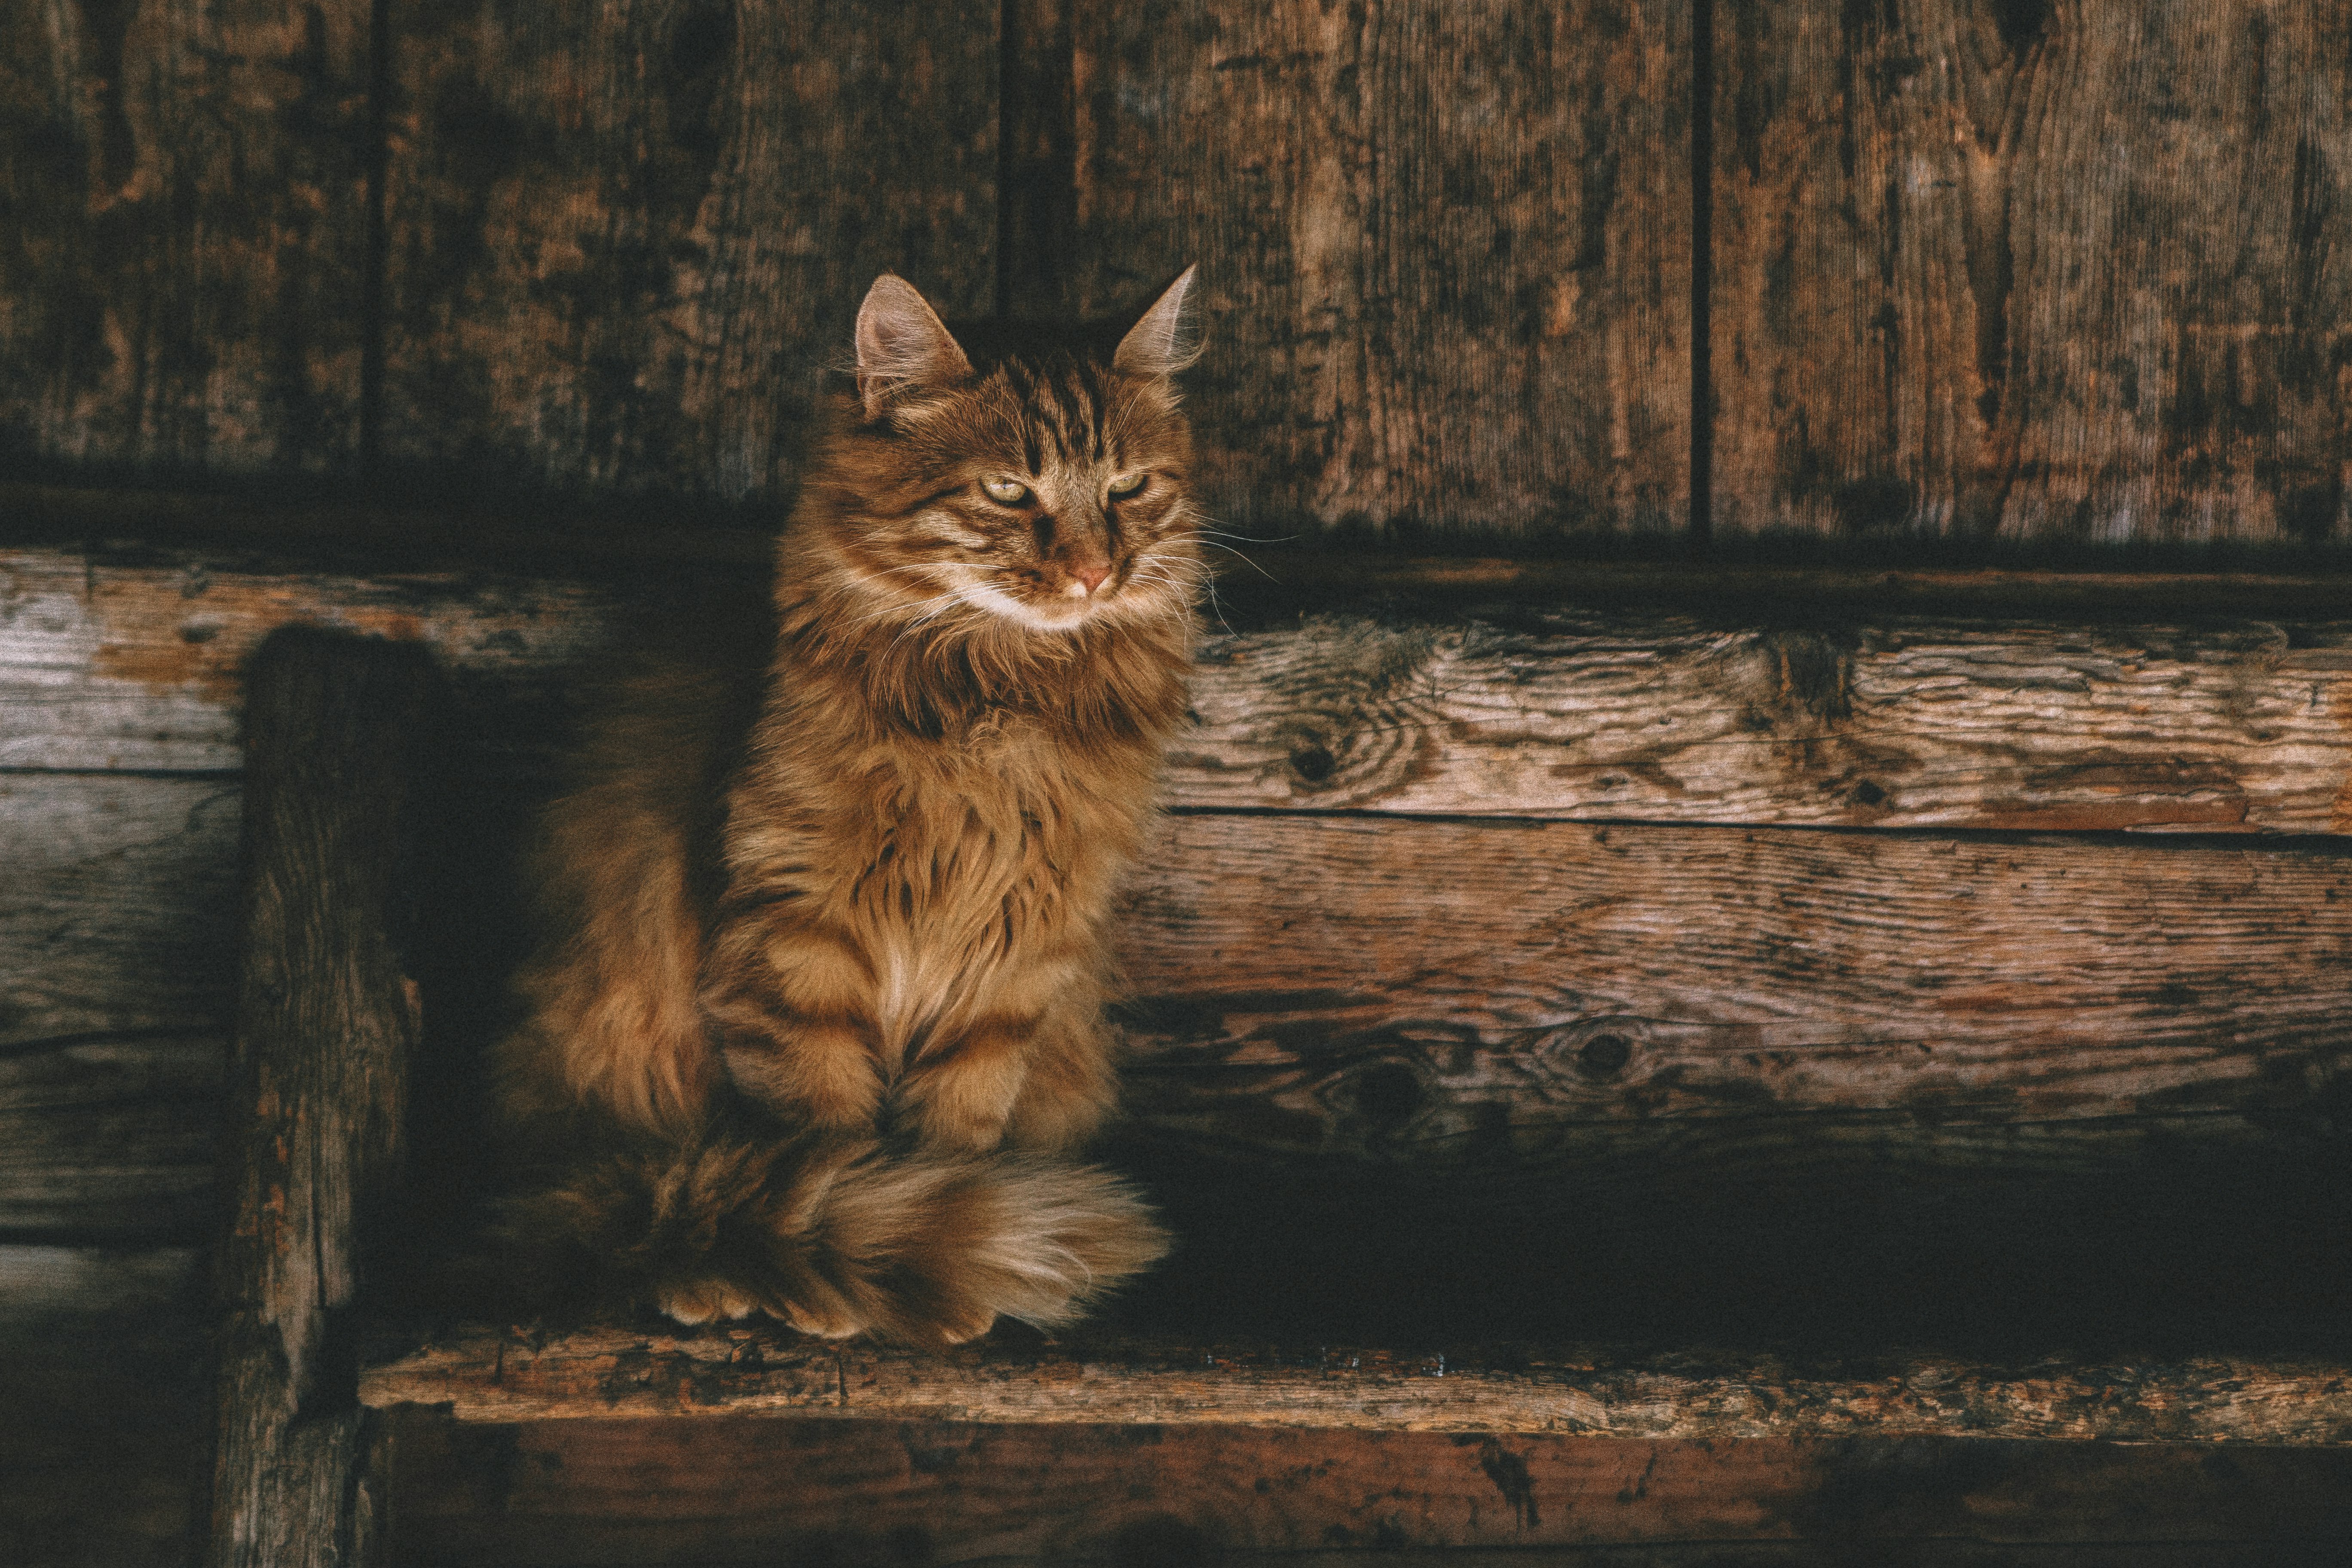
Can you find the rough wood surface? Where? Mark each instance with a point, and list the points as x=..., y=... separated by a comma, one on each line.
x=116, y=937
x=1443, y=250
x=1804, y=715
x=135, y=668
x=1454, y=991
x=108, y=1136
x=2043, y=271
x=326, y=1022
x=1445, y=994
x=628, y=242
x=117, y=924
x=183, y=233
x=728, y=1489
x=1892, y=722
x=489, y=1375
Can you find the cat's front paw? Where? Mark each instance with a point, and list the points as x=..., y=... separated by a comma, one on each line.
x=695, y=1302
x=710, y=1300
x=820, y=1323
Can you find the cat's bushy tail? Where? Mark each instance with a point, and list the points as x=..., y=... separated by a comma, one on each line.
x=838, y=1236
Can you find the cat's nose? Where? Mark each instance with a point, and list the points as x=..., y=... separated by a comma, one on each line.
x=1091, y=574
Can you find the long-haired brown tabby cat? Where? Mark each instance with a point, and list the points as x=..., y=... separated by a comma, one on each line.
x=816, y=1012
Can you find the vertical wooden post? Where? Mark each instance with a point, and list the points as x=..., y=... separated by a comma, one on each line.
x=326, y=1021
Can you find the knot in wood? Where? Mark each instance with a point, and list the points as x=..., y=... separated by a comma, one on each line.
x=1803, y=683
x=1603, y=1055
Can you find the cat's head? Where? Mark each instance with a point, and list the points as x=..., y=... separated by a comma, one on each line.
x=1016, y=476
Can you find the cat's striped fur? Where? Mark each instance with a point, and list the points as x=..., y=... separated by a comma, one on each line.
x=816, y=1019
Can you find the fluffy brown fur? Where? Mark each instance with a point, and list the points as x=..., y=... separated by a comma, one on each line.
x=819, y=1007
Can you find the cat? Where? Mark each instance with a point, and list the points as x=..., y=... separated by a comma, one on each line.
x=814, y=1021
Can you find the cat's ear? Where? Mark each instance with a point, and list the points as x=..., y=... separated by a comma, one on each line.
x=1166, y=340
x=902, y=346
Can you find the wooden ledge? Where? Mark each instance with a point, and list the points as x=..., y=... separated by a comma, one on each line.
x=619, y=540
x=480, y=1374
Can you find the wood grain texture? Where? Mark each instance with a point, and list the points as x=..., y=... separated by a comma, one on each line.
x=116, y=940
x=2038, y=272
x=1896, y=721
x=740, y=1489
x=1702, y=1005
x=182, y=234
x=136, y=666
x=104, y=1135
x=326, y=1020
x=117, y=920
x=1799, y=715
x=628, y=242
x=489, y=1375
x=1453, y=994
x=1443, y=250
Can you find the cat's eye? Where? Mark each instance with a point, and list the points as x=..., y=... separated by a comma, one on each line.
x=1126, y=484
x=1007, y=492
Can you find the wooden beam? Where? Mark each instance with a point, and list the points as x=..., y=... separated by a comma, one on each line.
x=326, y=1022
x=1743, y=713
x=747, y=1490
x=638, y=542
x=1891, y=721
x=136, y=667
x=489, y=1375
x=1693, y=1004
x=1462, y=994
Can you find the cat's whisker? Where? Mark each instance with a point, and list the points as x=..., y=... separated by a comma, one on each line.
x=1207, y=532
x=1244, y=560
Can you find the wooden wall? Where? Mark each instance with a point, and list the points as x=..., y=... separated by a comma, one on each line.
x=2034, y=270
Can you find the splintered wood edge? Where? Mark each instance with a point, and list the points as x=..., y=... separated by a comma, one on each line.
x=493, y=1375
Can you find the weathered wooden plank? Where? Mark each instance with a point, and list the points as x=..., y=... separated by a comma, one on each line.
x=114, y=1015
x=1443, y=250
x=1453, y=993
x=136, y=666
x=109, y=1136
x=119, y=901
x=85, y=1287
x=182, y=234
x=1835, y=718
x=1901, y=722
x=627, y=242
x=327, y=1019
x=491, y=1374
x=1707, y=1008
x=743, y=1489
x=1908, y=336
x=1824, y=1553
